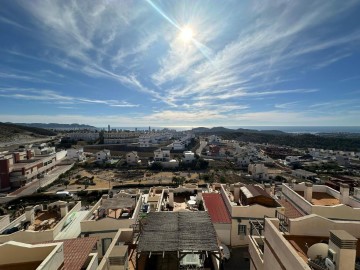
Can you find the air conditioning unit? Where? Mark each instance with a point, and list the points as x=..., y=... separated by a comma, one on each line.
x=329, y=264
x=331, y=254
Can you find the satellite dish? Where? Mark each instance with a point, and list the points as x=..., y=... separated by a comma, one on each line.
x=318, y=250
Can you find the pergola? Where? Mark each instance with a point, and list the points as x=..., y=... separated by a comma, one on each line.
x=177, y=234
x=117, y=202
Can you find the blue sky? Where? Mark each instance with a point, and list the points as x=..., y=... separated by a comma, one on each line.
x=126, y=63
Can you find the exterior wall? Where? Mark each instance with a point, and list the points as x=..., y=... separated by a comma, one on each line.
x=170, y=164
x=256, y=261
x=4, y=221
x=60, y=155
x=314, y=225
x=51, y=255
x=223, y=232
x=93, y=261
x=339, y=211
x=32, y=237
x=278, y=252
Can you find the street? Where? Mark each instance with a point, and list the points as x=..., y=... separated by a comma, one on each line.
x=201, y=147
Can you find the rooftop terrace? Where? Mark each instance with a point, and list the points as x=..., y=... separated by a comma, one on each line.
x=321, y=198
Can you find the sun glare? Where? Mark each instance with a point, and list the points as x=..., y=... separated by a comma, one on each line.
x=186, y=34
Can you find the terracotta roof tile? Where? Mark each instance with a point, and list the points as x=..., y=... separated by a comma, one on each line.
x=216, y=208
x=76, y=251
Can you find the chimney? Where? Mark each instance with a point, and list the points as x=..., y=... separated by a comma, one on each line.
x=267, y=188
x=357, y=193
x=171, y=197
x=199, y=196
x=28, y=154
x=29, y=214
x=64, y=209
x=344, y=193
x=236, y=193
x=308, y=191
x=342, y=249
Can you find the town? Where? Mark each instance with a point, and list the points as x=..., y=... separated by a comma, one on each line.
x=167, y=199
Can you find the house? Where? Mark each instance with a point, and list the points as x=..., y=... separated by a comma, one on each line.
x=179, y=145
x=108, y=215
x=189, y=156
x=132, y=158
x=220, y=216
x=103, y=155
x=213, y=139
x=161, y=155
x=247, y=203
x=331, y=244
x=303, y=174
x=76, y=154
x=258, y=171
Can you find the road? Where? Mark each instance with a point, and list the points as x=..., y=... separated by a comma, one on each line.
x=34, y=185
x=201, y=147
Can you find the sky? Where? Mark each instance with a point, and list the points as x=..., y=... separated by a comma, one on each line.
x=180, y=63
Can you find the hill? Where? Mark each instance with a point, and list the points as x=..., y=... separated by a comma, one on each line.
x=15, y=134
x=57, y=126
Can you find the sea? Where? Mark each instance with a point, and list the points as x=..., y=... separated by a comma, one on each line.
x=288, y=129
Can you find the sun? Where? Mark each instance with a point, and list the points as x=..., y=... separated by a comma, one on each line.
x=186, y=34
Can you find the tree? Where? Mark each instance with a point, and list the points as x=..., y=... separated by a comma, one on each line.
x=156, y=166
x=66, y=183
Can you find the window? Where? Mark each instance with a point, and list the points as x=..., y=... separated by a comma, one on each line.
x=242, y=230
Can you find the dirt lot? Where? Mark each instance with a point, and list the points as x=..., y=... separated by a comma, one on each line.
x=102, y=178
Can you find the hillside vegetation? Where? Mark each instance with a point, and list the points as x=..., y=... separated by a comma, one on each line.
x=16, y=134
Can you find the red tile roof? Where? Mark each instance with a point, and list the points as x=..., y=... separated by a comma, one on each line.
x=76, y=252
x=216, y=208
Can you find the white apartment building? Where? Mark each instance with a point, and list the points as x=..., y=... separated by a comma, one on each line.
x=179, y=145
x=145, y=140
x=103, y=155
x=121, y=137
x=84, y=136
x=132, y=158
x=309, y=242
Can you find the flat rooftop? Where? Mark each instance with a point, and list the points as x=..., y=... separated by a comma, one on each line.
x=321, y=198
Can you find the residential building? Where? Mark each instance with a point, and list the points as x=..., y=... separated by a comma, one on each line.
x=179, y=145
x=132, y=158
x=76, y=154
x=189, y=156
x=213, y=139
x=21, y=167
x=304, y=175
x=162, y=155
x=87, y=136
x=220, y=216
x=108, y=215
x=43, y=223
x=258, y=171
x=103, y=155
x=309, y=242
x=121, y=137
x=246, y=203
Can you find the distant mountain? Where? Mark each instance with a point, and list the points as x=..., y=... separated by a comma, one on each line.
x=57, y=126
x=216, y=130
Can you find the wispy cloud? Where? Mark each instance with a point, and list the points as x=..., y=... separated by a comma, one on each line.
x=332, y=60
x=288, y=105
x=57, y=98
